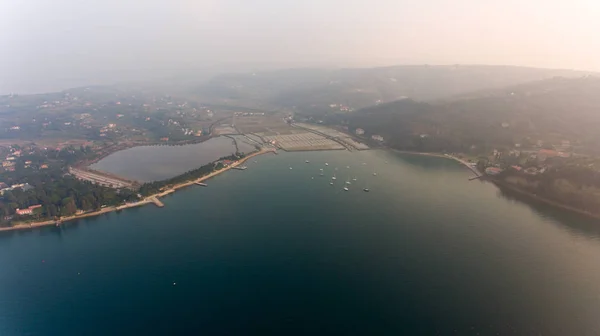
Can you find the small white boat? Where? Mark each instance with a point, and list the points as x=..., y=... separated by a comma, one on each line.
x=366, y=190
x=291, y=168
x=346, y=189
x=354, y=179
x=307, y=161
x=348, y=167
x=327, y=164
x=331, y=183
x=374, y=174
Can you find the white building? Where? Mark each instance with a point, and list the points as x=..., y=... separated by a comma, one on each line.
x=360, y=131
x=377, y=138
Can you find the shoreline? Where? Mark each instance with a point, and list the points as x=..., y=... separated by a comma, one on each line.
x=447, y=156
x=506, y=186
x=503, y=185
x=154, y=199
x=151, y=199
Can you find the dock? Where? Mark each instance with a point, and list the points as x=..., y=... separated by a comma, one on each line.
x=201, y=184
x=157, y=202
x=240, y=167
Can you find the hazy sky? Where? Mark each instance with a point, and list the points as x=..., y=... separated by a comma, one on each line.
x=48, y=44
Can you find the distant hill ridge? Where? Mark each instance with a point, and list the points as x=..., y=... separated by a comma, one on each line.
x=313, y=90
x=550, y=110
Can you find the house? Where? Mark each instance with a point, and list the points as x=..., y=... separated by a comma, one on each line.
x=531, y=171
x=493, y=170
x=359, y=131
x=377, y=138
x=543, y=154
x=227, y=162
x=517, y=168
x=28, y=211
x=564, y=145
x=44, y=166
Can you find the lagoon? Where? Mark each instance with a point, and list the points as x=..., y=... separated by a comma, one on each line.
x=153, y=163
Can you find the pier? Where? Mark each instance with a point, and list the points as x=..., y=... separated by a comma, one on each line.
x=157, y=202
x=240, y=167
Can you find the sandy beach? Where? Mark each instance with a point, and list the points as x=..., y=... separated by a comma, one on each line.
x=147, y=200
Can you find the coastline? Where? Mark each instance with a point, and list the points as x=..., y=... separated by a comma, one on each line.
x=147, y=200
x=506, y=186
x=447, y=156
x=502, y=185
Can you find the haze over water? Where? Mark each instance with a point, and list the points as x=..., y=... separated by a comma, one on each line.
x=273, y=251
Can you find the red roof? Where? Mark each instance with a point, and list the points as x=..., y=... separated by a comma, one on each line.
x=548, y=152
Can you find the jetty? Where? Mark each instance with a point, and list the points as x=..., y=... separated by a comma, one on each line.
x=201, y=184
x=240, y=167
x=157, y=202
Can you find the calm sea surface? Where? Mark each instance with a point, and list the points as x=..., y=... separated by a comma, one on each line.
x=278, y=251
x=151, y=163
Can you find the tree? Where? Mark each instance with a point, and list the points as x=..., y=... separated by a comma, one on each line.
x=68, y=206
x=51, y=210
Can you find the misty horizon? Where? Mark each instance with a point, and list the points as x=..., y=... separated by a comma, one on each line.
x=63, y=44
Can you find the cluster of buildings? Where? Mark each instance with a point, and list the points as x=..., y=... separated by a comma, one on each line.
x=28, y=211
x=10, y=161
x=5, y=188
x=246, y=114
x=376, y=137
x=341, y=107
x=538, y=157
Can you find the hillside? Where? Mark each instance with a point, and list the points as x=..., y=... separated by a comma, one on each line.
x=317, y=90
x=550, y=110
